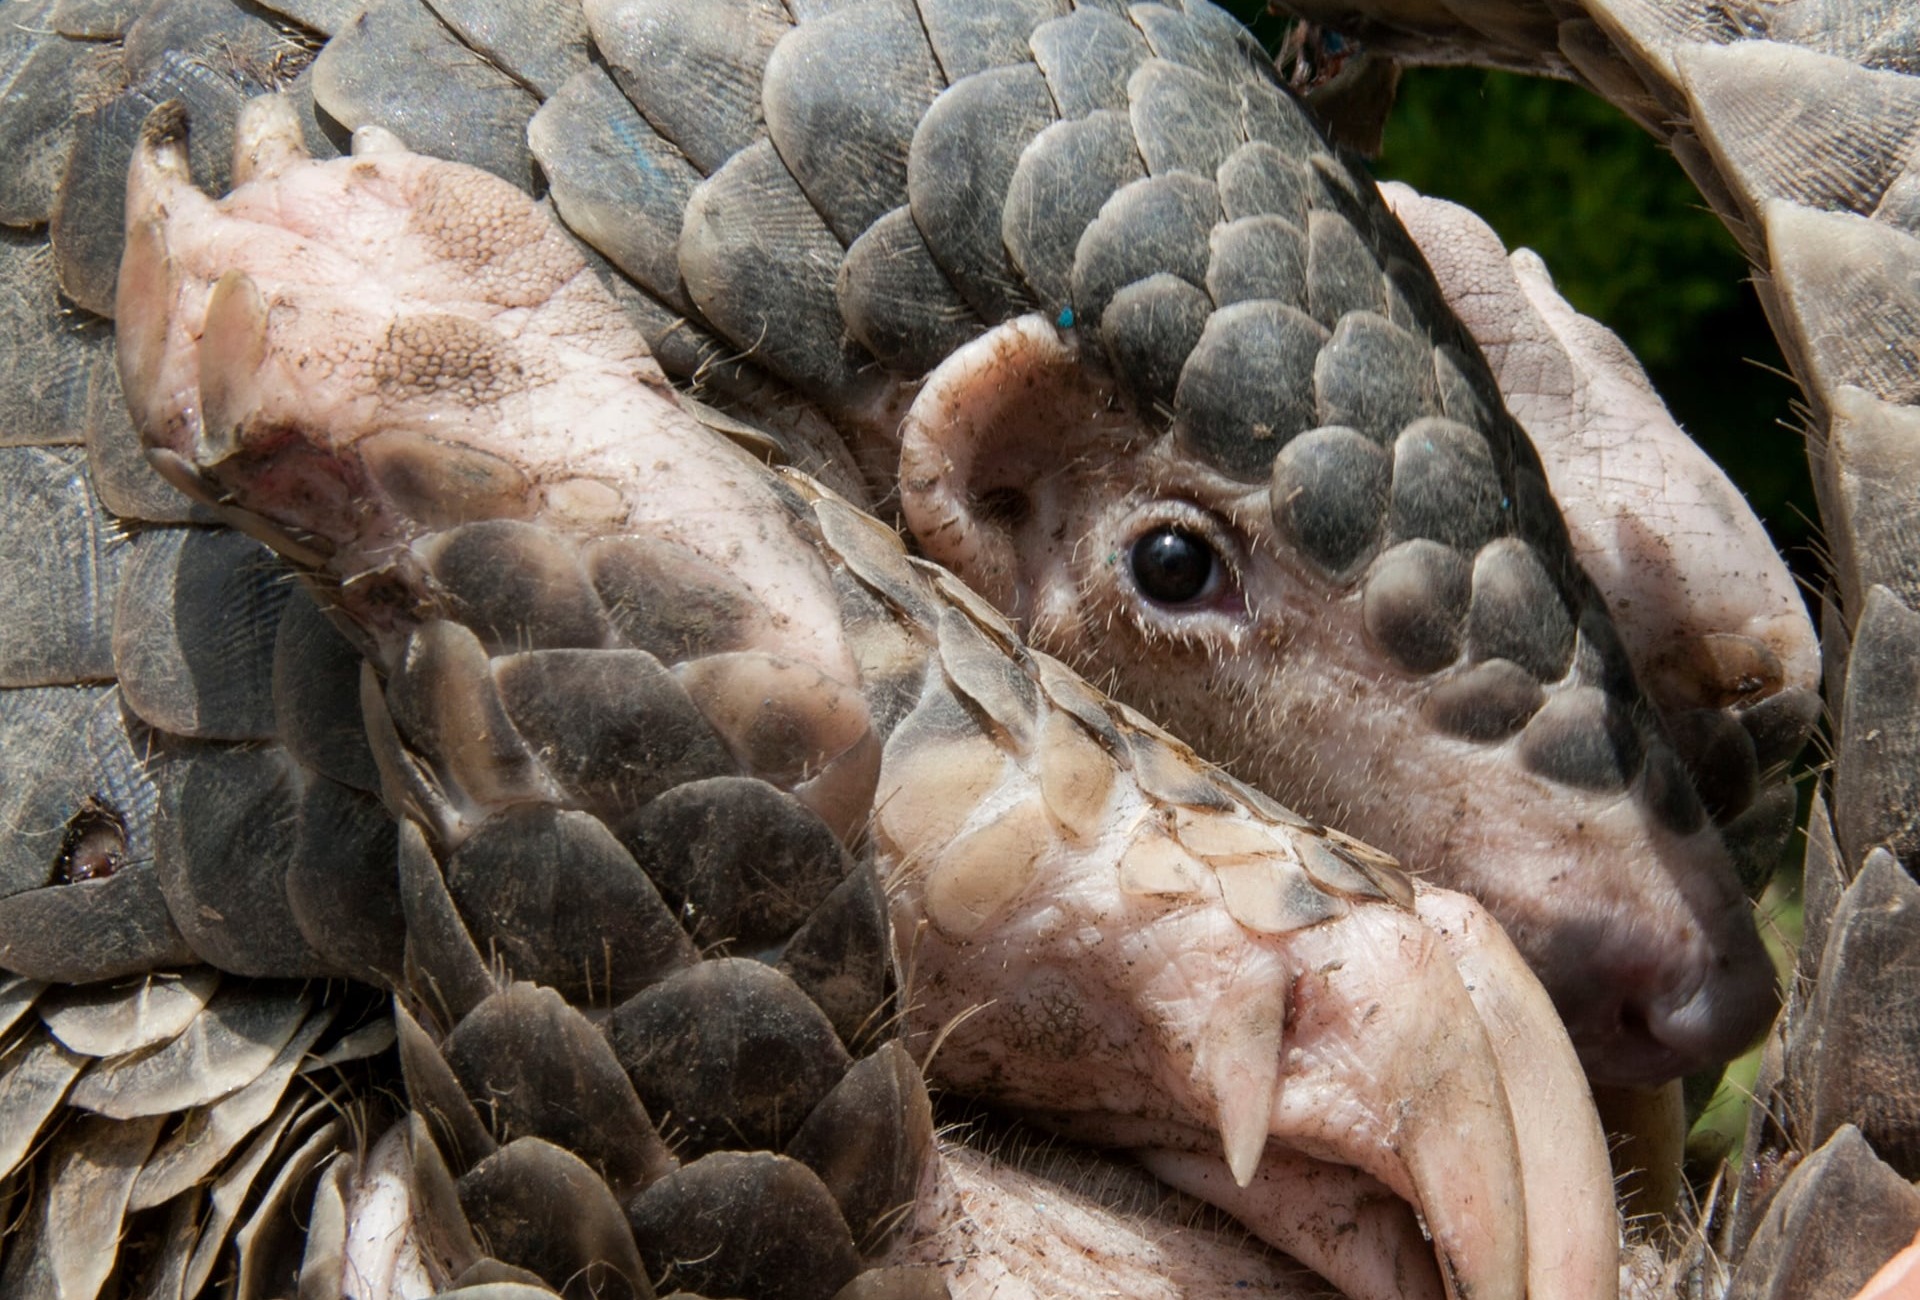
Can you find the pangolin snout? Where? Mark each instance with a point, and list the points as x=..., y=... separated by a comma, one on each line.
x=1643, y=1008
x=1638, y=928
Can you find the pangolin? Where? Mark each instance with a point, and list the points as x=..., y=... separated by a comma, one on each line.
x=87, y=835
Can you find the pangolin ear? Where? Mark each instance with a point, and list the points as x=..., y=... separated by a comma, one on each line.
x=989, y=439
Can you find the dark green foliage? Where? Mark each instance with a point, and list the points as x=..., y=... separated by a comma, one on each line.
x=1559, y=170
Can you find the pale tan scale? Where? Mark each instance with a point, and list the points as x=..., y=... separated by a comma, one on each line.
x=1140, y=722
x=1273, y=896
x=1168, y=770
x=984, y=674
x=808, y=488
x=991, y=621
x=873, y=552
x=1154, y=865
x=783, y=719
x=442, y=483
x=1262, y=804
x=1069, y=691
x=1227, y=838
x=585, y=503
x=977, y=877
x=928, y=791
x=793, y=725
x=1077, y=775
x=1362, y=849
x=842, y=792
x=1326, y=863
x=884, y=648
x=477, y=749
x=757, y=442
x=1385, y=877
x=1113, y=949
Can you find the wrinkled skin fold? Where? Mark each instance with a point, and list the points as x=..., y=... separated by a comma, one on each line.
x=1235, y=974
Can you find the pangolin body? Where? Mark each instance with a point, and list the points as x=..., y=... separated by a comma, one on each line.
x=895, y=300
x=1087, y=284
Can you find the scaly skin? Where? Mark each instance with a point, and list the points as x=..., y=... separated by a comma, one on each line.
x=751, y=223
x=1056, y=902
x=1634, y=922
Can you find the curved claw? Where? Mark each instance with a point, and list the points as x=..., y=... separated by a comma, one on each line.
x=235, y=338
x=1392, y=1071
x=1573, y=1243
x=1665, y=971
x=1387, y=1076
x=147, y=303
x=1343, y=1224
x=267, y=140
x=1347, y=1226
x=1146, y=1021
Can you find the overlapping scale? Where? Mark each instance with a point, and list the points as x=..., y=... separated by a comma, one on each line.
x=398, y=66
x=964, y=149
x=1085, y=159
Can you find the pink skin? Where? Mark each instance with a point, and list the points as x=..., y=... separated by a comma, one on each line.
x=1123, y=1020
x=557, y=366
x=1347, y=1225
x=1000, y=1232
x=1350, y=1225
x=1641, y=934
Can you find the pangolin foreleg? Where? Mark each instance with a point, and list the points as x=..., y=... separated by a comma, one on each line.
x=402, y=375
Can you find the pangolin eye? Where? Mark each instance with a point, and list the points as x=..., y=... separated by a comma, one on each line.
x=1174, y=566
